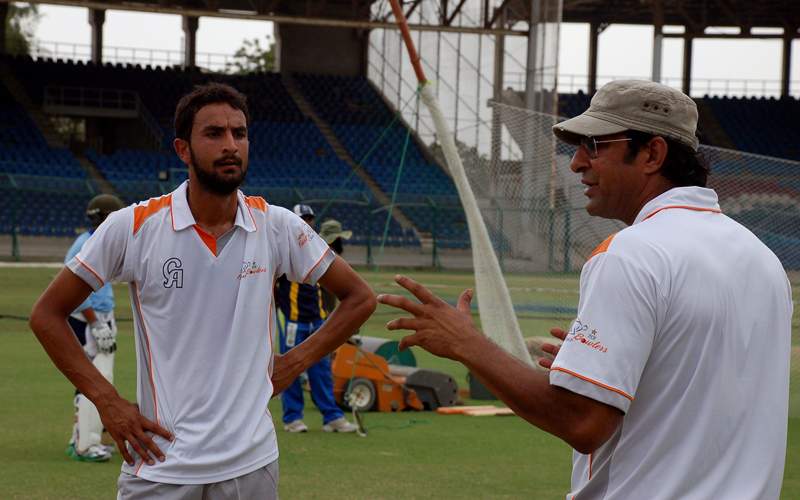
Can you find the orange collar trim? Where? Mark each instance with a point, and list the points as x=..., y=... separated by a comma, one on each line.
x=685, y=208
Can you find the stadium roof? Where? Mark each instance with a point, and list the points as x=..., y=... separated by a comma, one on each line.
x=696, y=15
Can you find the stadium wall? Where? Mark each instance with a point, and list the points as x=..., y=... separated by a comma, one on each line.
x=320, y=50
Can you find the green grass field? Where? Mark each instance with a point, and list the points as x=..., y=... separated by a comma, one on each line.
x=408, y=455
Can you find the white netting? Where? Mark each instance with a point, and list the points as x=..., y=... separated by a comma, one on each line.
x=496, y=310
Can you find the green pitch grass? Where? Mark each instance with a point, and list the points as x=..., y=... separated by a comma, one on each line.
x=408, y=455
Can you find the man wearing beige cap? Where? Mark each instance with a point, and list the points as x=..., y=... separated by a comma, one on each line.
x=673, y=381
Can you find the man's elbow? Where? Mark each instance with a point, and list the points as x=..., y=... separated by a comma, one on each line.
x=590, y=434
x=38, y=320
x=368, y=302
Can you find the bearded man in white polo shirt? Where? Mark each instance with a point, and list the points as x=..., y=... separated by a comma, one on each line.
x=673, y=383
x=201, y=263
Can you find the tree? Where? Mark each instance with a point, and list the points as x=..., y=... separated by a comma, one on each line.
x=252, y=57
x=21, y=24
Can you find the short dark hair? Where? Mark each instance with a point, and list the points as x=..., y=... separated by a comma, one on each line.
x=683, y=166
x=201, y=96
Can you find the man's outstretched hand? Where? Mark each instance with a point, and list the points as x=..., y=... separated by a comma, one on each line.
x=441, y=329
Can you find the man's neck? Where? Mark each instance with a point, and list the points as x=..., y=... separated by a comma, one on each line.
x=213, y=213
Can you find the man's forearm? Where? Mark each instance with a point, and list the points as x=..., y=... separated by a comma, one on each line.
x=565, y=414
x=353, y=311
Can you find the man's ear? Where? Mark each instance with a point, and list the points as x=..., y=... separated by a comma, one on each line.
x=184, y=150
x=656, y=154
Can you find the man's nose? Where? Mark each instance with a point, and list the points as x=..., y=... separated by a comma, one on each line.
x=229, y=144
x=580, y=160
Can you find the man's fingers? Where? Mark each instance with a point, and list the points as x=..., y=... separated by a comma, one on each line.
x=558, y=333
x=547, y=363
x=402, y=324
x=408, y=341
x=403, y=303
x=423, y=294
x=464, y=300
x=139, y=449
x=124, y=451
x=550, y=348
x=157, y=429
x=151, y=445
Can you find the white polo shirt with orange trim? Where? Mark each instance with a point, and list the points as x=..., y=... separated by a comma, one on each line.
x=684, y=324
x=204, y=326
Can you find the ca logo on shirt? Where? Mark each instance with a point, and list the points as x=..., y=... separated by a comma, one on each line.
x=173, y=274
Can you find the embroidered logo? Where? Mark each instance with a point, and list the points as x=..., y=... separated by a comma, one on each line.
x=173, y=274
x=249, y=268
x=583, y=334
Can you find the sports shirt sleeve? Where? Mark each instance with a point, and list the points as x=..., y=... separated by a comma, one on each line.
x=71, y=253
x=607, y=348
x=102, y=258
x=306, y=255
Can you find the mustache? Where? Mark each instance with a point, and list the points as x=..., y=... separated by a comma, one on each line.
x=234, y=158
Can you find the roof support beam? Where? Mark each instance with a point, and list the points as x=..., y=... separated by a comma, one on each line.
x=497, y=12
x=658, y=38
x=688, y=42
x=96, y=19
x=786, y=69
x=455, y=13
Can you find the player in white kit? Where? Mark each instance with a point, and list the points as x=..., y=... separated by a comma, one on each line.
x=201, y=263
x=673, y=383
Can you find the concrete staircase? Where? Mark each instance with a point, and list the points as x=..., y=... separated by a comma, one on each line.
x=341, y=152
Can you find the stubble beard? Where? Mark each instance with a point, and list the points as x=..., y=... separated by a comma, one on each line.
x=215, y=183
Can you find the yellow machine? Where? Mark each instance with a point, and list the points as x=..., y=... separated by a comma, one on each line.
x=374, y=384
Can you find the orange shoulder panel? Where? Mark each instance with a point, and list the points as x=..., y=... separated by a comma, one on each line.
x=602, y=248
x=142, y=212
x=256, y=202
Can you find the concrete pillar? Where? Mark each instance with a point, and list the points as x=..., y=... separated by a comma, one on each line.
x=658, y=39
x=688, y=41
x=190, y=24
x=533, y=38
x=96, y=19
x=499, y=71
x=786, y=70
x=594, y=36
x=3, y=16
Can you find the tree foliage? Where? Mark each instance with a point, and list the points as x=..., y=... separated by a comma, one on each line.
x=21, y=24
x=252, y=57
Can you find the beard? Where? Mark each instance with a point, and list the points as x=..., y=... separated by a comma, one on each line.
x=216, y=183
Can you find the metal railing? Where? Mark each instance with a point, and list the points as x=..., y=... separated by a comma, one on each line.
x=129, y=55
x=59, y=97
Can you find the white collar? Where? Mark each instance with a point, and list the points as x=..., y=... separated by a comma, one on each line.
x=182, y=215
x=689, y=198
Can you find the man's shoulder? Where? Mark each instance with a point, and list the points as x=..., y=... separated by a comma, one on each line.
x=145, y=210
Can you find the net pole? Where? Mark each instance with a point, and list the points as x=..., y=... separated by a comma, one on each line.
x=497, y=314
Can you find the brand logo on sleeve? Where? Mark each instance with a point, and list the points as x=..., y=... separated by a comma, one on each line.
x=249, y=268
x=173, y=274
x=306, y=236
x=585, y=335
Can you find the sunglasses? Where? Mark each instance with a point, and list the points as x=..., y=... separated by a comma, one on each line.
x=590, y=145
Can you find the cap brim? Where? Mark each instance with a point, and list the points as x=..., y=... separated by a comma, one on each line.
x=574, y=129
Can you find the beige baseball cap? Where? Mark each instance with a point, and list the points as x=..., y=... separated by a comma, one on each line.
x=634, y=105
